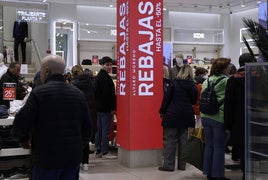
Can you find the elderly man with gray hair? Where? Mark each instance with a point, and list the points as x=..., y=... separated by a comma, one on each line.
x=54, y=123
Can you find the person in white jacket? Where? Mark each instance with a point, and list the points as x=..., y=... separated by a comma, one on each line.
x=3, y=67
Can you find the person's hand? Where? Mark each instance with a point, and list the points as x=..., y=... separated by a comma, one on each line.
x=25, y=39
x=26, y=144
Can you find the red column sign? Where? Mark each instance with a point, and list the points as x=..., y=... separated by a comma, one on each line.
x=9, y=91
x=139, y=73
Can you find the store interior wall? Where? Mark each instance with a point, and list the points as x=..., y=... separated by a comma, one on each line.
x=41, y=32
x=234, y=39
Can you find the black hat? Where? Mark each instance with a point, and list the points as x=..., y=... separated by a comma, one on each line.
x=245, y=58
x=105, y=59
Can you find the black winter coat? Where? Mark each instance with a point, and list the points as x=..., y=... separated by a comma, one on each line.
x=177, y=104
x=8, y=77
x=105, y=92
x=86, y=85
x=57, y=120
x=234, y=107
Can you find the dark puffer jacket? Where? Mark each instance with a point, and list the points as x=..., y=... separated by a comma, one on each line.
x=105, y=92
x=177, y=104
x=56, y=118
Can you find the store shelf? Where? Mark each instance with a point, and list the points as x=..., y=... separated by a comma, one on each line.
x=7, y=121
x=14, y=152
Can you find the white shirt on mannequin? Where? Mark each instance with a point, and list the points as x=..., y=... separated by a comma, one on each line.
x=3, y=67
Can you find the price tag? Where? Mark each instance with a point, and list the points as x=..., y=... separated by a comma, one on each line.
x=9, y=91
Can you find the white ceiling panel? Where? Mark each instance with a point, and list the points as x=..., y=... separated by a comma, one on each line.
x=201, y=6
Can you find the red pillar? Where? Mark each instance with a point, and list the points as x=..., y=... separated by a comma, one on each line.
x=139, y=78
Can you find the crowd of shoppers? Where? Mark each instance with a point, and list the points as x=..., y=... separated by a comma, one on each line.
x=93, y=104
x=221, y=128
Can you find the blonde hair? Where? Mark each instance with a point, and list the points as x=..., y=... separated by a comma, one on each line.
x=186, y=72
x=77, y=70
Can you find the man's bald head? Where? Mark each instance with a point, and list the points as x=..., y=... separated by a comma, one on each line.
x=50, y=65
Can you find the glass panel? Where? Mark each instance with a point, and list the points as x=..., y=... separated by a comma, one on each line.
x=64, y=37
x=257, y=121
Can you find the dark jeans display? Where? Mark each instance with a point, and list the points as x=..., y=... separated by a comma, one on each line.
x=102, y=136
x=17, y=42
x=71, y=173
x=216, y=139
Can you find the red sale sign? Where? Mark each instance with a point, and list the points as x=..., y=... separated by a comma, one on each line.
x=139, y=73
x=9, y=91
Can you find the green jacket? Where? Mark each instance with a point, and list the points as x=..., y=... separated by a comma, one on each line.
x=220, y=91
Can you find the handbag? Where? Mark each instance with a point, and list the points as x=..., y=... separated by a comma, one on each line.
x=193, y=150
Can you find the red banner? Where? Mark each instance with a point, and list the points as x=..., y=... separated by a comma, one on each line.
x=139, y=73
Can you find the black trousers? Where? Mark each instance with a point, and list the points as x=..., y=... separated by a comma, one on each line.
x=17, y=42
x=85, y=153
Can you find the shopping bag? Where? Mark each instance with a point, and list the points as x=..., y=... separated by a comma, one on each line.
x=193, y=150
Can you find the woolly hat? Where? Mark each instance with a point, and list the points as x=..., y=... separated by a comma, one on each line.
x=245, y=58
x=179, y=62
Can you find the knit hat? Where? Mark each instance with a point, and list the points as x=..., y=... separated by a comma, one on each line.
x=179, y=62
x=245, y=58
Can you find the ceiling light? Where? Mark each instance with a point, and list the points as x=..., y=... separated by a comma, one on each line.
x=164, y=9
x=258, y=2
x=242, y=3
x=111, y=6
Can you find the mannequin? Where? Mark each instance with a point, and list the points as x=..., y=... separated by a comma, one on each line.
x=3, y=67
x=20, y=34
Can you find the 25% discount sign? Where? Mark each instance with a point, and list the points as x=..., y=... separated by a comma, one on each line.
x=9, y=91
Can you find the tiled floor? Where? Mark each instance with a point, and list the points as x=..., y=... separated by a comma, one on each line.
x=111, y=170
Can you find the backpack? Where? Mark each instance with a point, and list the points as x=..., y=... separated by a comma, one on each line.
x=208, y=101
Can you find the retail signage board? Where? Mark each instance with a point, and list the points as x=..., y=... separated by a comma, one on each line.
x=24, y=69
x=9, y=91
x=139, y=74
x=95, y=59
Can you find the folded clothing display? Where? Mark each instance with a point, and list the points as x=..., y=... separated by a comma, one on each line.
x=6, y=140
x=15, y=173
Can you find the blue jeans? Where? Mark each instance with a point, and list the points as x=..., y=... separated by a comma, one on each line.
x=102, y=136
x=216, y=139
x=56, y=174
